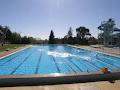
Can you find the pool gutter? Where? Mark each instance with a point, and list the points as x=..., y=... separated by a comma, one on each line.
x=53, y=79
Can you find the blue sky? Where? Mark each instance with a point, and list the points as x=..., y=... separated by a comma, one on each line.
x=37, y=17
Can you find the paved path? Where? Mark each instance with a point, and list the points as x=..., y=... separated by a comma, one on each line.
x=80, y=86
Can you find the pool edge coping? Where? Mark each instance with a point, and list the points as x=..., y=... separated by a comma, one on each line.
x=30, y=80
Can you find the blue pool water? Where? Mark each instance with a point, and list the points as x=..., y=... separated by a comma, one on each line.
x=46, y=59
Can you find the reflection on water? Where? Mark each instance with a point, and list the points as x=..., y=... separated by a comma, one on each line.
x=52, y=47
x=59, y=54
x=41, y=50
x=67, y=55
x=64, y=54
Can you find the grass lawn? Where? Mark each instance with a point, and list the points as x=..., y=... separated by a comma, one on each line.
x=9, y=46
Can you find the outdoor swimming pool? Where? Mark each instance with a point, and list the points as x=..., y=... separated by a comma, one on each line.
x=47, y=59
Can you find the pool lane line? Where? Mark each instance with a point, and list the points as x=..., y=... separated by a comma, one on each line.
x=109, y=58
x=13, y=57
x=67, y=63
x=58, y=69
x=76, y=66
x=83, y=64
x=37, y=67
x=67, y=68
x=90, y=63
x=69, y=59
x=71, y=62
x=93, y=65
x=21, y=63
x=71, y=68
x=108, y=63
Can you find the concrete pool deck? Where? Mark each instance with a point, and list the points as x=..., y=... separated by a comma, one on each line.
x=103, y=85
x=11, y=51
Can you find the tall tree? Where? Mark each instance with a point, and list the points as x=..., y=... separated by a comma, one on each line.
x=70, y=32
x=16, y=38
x=2, y=37
x=70, y=36
x=8, y=34
x=24, y=40
x=51, y=37
x=82, y=33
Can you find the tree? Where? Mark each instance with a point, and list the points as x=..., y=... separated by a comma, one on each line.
x=16, y=38
x=70, y=32
x=2, y=37
x=70, y=36
x=8, y=34
x=51, y=37
x=24, y=40
x=82, y=33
